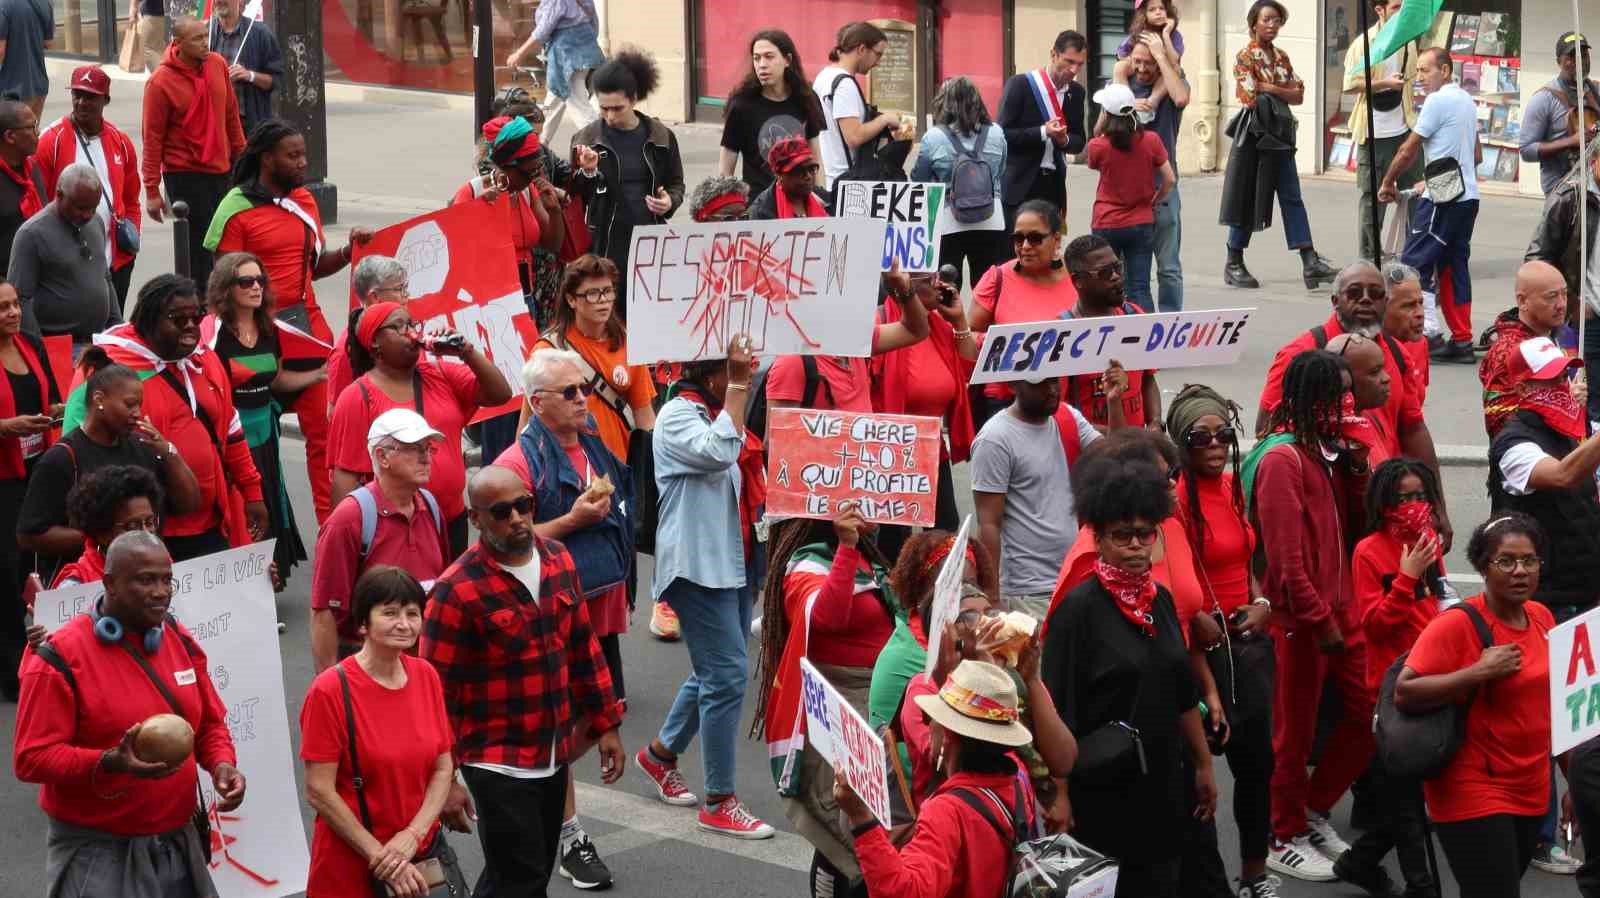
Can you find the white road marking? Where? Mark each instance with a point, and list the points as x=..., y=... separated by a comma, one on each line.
x=647, y=816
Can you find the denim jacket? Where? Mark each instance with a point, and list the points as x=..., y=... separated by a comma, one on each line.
x=936, y=158
x=602, y=551
x=698, y=536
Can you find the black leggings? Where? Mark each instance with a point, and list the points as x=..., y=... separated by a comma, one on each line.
x=1397, y=827
x=611, y=647
x=980, y=250
x=1249, y=754
x=1583, y=779
x=1488, y=855
x=828, y=882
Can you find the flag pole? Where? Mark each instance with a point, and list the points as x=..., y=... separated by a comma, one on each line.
x=1584, y=167
x=1365, y=12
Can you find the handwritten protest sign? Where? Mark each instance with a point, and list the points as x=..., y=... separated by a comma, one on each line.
x=911, y=209
x=889, y=464
x=1574, y=682
x=841, y=735
x=947, y=593
x=1086, y=345
x=225, y=601
x=805, y=286
x=462, y=275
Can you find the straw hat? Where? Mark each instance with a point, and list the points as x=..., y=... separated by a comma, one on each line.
x=978, y=701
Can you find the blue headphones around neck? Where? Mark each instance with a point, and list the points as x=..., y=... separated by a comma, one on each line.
x=108, y=629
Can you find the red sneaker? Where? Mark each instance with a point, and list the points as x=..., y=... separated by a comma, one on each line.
x=732, y=819
x=670, y=787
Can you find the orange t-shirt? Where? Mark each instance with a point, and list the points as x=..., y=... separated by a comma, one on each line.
x=1503, y=766
x=633, y=384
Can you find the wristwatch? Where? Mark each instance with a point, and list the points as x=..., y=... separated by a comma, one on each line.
x=1263, y=602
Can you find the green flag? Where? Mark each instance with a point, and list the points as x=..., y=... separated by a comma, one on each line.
x=1411, y=22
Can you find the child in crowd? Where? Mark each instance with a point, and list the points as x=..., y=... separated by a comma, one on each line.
x=1158, y=17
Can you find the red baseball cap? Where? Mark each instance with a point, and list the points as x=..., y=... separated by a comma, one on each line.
x=788, y=154
x=91, y=79
x=1539, y=359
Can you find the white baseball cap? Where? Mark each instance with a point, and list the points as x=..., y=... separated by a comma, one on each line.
x=1115, y=99
x=403, y=425
x=1539, y=359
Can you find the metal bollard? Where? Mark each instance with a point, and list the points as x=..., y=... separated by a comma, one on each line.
x=180, y=236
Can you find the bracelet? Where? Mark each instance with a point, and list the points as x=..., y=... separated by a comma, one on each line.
x=734, y=386
x=963, y=334
x=1262, y=601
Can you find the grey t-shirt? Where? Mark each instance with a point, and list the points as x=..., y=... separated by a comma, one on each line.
x=1027, y=463
x=60, y=273
x=25, y=25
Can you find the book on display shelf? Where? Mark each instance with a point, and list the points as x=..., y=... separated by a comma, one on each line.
x=1506, y=169
x=1491, y=158
x=1493, y=31
x=1464, y=34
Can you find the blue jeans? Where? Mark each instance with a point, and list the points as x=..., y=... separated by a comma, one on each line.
x=1136, y=246
x=716, y=626
x=1169, y=239
x=1296, y=226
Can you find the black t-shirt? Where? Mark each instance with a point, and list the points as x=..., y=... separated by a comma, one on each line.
x=25, y=393
x=754, y=123
x=72, y=458
x=634, y=173
x=152, y=7
x=11, y=218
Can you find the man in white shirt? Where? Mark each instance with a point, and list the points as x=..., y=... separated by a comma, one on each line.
x=1440, y=242
x=844, y=107
x=1392, y=117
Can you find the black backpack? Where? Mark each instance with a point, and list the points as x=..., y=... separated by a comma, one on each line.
x=755, y=417
x=1421, y=746
x=646, y=499
x=881, y=159
x=971, y=179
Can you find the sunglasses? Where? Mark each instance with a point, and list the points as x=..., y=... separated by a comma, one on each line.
x=1200, y=438
x=1127, y=536
x=1373, y=291
x=1106, y=272
x=248, y=281
x=183, y=318
x=1032, y=238
x=572, y=391
x=522, y=505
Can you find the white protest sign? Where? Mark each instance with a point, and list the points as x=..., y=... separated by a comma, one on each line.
x=801, y=286
x=1574, y=681
x=844, y=740
x=1086, y=345
x=947, y=593
x=225, y=601
x=911, y=209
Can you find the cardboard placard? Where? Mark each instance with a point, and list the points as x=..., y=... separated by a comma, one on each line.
x=911, y=211
x=1574, y=681
x=888, y=464
x=843, y=738
x=947, y=593
x=1087, y=345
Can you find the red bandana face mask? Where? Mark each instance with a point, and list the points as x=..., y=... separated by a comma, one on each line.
x=1556, y=405
x=1410, y=521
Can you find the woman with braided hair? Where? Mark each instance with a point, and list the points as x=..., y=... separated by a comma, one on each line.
x=827, y=599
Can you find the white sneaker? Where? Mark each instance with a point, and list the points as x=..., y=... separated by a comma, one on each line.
x=1265, y=887
x=1300, y=859
x=1324, y=837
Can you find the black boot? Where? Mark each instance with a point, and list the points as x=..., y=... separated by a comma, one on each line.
x=1315, y=268
x=1235, y=274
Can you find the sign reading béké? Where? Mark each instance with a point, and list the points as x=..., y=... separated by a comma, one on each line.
x=1070, y=346
x=911, y=211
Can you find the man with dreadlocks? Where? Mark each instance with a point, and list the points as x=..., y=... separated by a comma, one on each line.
x=270, y=213
x=826, y=599
x=1297, y=481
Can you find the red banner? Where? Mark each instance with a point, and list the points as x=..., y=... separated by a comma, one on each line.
x=463, y=276
x=887, y=463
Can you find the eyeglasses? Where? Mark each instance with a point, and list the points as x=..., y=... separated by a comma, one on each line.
x=423, y=450
x=1200, y=438
x=971, y=617
x=597, y=295
x=183, y=318
x=1373, y=291
x=149, y=524
x=1125, y=537
x=522, y=505
x=571, y=391
x=249, y=281
x=392, y=289
x=399, y=327
x=1418, y=496
x=1506, y=564
x=1032, y=238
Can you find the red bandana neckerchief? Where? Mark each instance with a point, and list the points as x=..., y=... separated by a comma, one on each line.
x=1135, y=593
x=1554, y=403
x=786, y=206
x=30, y=202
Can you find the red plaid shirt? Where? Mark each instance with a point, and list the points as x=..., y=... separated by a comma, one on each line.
x=517, y=673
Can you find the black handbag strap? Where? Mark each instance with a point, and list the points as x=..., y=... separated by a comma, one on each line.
x=355, y=759
x=144, y=665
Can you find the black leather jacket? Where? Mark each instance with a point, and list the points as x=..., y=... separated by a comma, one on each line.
x=602, y=192
x=1555, y=240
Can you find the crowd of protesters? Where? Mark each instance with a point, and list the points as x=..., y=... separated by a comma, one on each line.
x=1142, y=592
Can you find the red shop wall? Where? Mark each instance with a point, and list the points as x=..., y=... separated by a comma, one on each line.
x=971, y=42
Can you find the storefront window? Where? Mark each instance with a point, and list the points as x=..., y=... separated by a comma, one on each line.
x=1484, y=39
x=77, y=27
x=416, y=43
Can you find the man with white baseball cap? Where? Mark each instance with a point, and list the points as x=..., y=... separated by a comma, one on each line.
x=1541, y=464
x=390, y=520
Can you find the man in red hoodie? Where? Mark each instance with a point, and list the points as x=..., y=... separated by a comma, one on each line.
x=191, y=135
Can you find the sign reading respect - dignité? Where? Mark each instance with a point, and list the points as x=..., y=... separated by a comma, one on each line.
x=225, y=601
x=887, y=464
x=1070, y=346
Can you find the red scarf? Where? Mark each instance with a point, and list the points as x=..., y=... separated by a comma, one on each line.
x=12, y=465
x=30, y=202
x=1554, y=403
x=752, y=470
x=786, y=208
x=200, y=122
x=89, y=568
x=891, y=373
x=1135, y=594
x=1410, y=521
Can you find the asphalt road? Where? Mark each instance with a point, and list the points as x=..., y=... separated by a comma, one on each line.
x=654, y=849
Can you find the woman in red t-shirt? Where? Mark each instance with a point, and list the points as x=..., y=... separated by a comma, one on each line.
x=391, y=373
x=1205, y=426
x=1488, y=803
x=826, y=599
x=1129, y=160
x=392, y=703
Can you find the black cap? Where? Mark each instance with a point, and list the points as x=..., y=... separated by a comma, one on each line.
x=1567, y=42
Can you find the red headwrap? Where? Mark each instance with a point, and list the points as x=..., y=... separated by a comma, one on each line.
x=705, y=212
x=941, y=552
x=372, y=319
